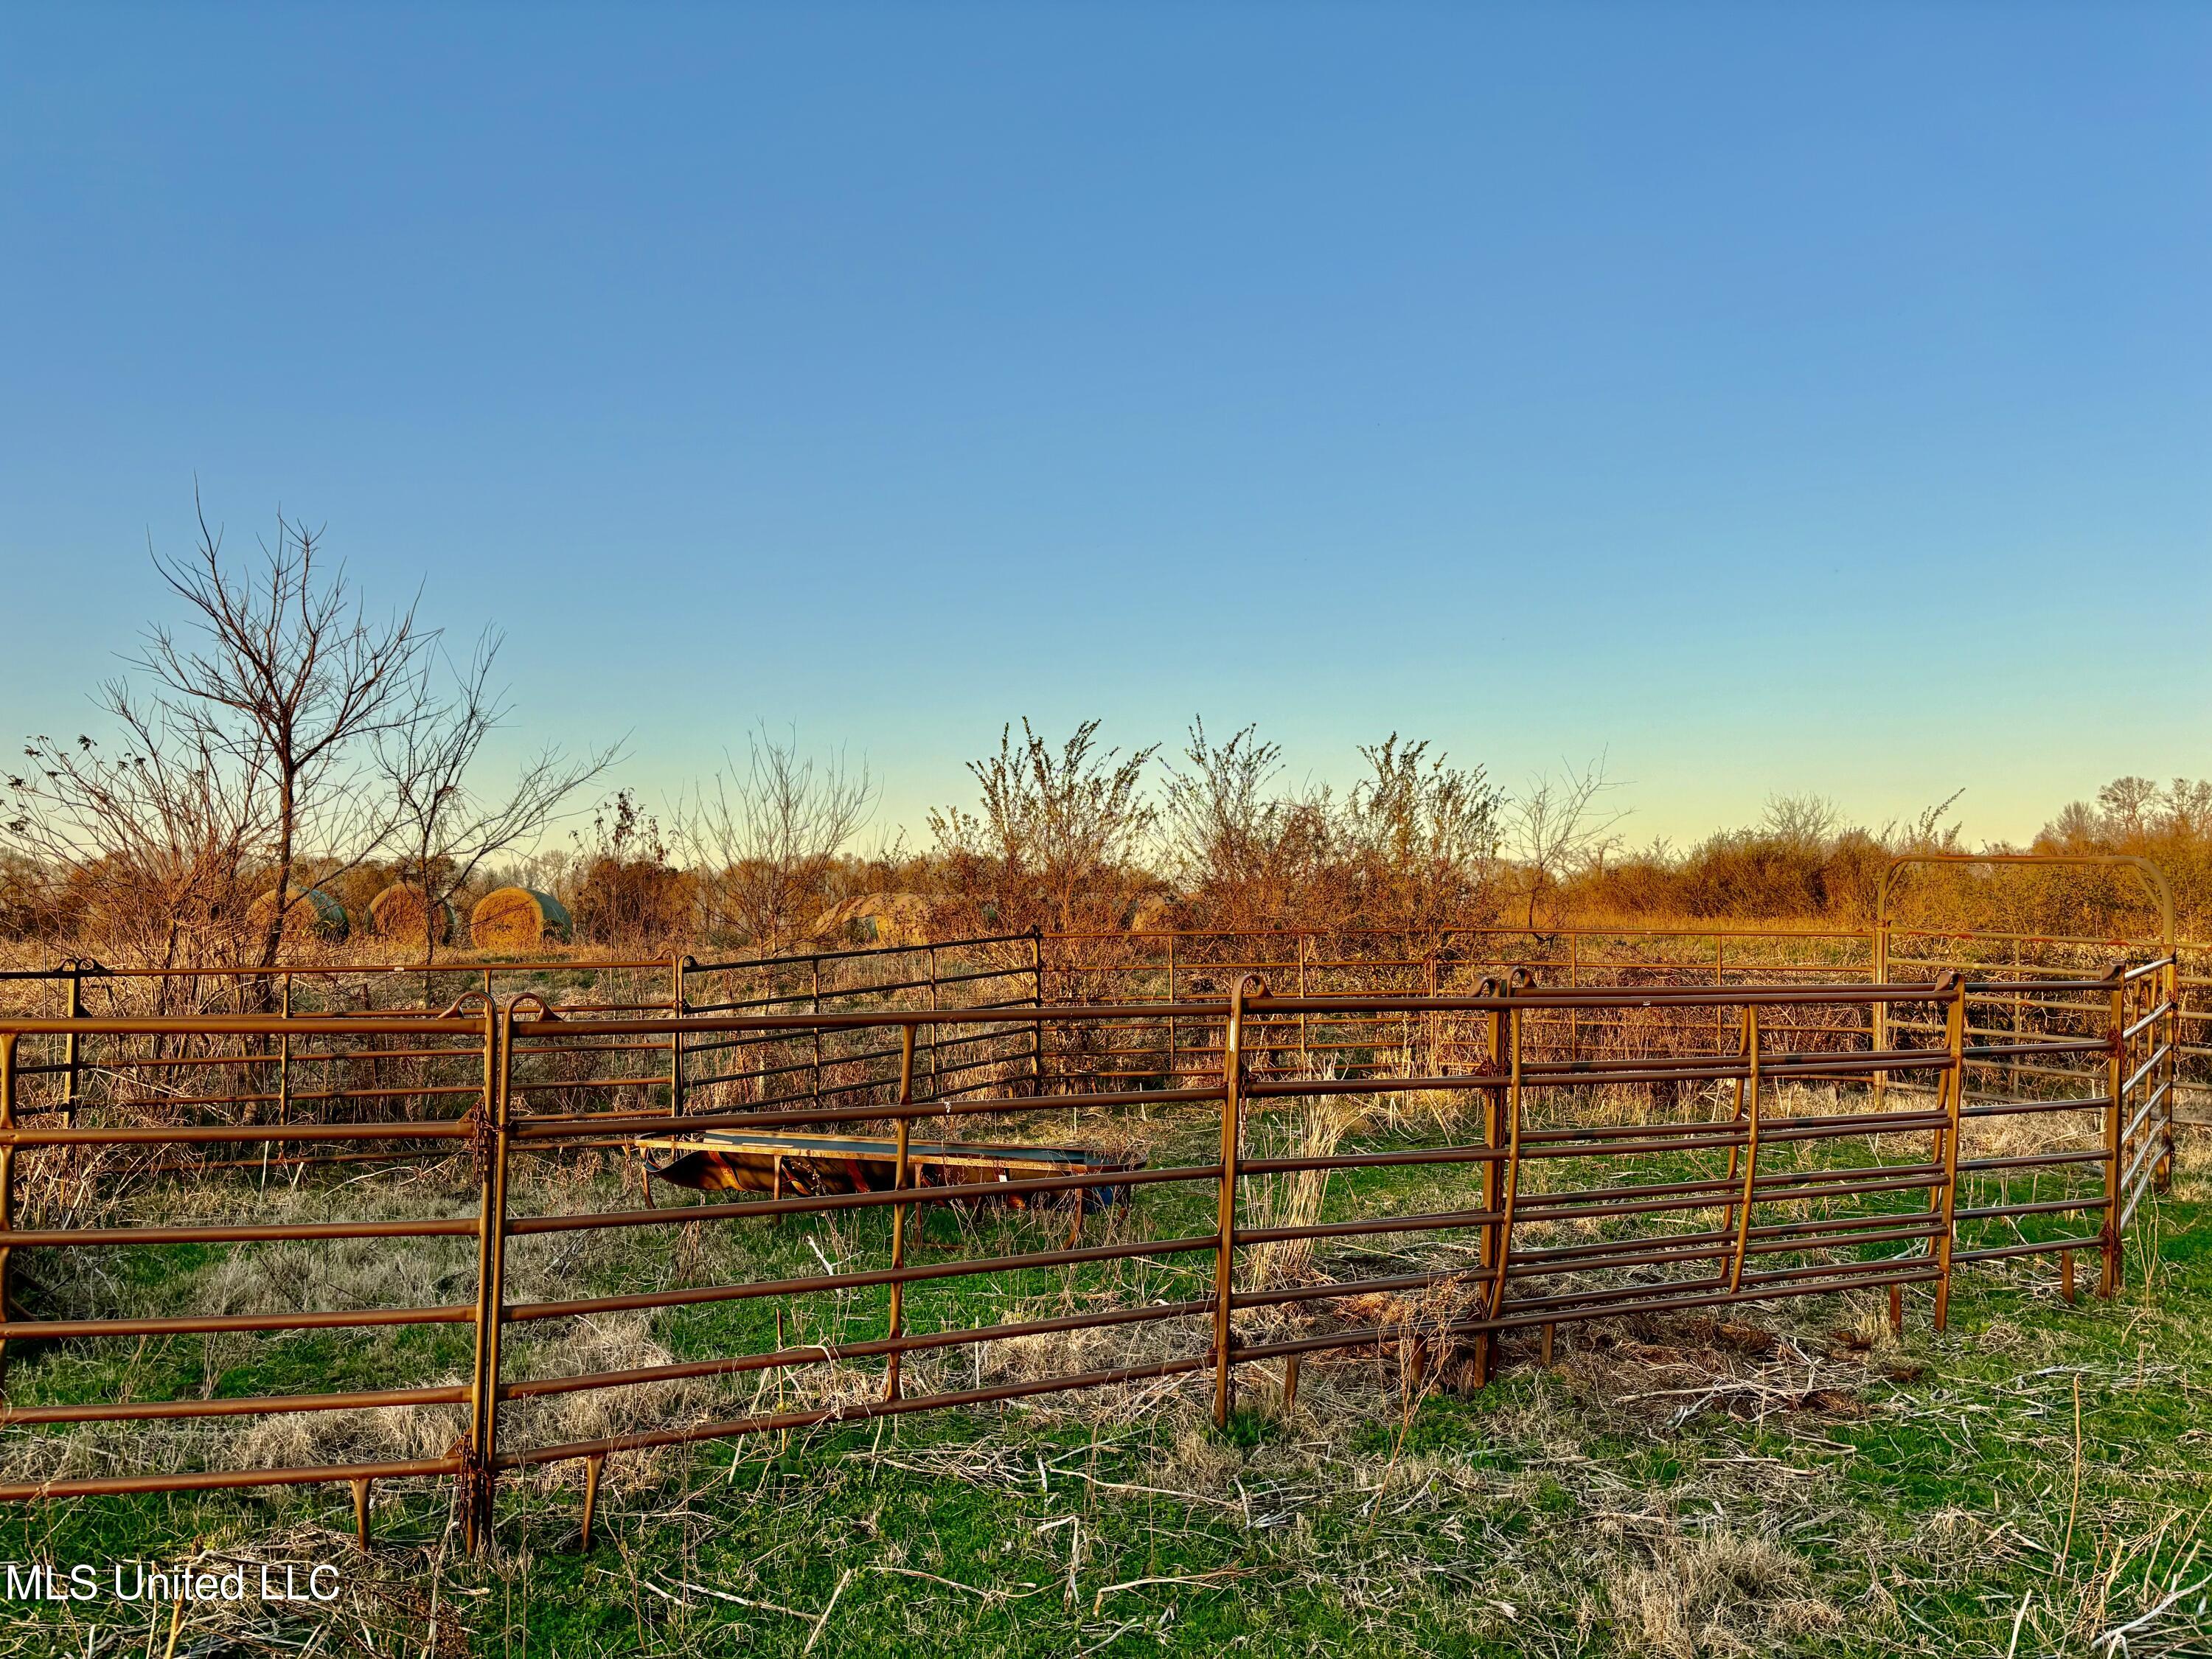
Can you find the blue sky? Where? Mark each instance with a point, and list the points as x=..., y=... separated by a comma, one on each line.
x=1777, y=399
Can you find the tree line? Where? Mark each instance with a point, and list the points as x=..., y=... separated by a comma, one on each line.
x=286, y=739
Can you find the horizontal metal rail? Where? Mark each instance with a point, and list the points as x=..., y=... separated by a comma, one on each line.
x=1766, y=1162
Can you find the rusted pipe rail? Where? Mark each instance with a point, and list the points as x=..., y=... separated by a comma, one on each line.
x=1697, y=1195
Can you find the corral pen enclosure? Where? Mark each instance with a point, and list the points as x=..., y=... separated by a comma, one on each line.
x=473, y=1247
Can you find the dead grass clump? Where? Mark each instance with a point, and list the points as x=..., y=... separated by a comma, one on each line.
x=297, y=1439
x=1307, y=1127
x=306, y=1439
x=347, y=1272
x=602, y=1343
x=1665, y=1372
x=1198, y=1461
x=1718, y=1593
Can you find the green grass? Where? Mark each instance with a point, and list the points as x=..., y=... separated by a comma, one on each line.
x=1784, y=1481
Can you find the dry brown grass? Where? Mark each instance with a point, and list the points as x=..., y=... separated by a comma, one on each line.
x=1309, y=1126
x=1715, y=1592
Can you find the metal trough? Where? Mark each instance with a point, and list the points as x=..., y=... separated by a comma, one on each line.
x=806, y=1166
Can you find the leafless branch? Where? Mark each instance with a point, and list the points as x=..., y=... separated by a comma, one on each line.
x=1560, y=825
x=764, y=838
x=444, y=826
x=286, y=673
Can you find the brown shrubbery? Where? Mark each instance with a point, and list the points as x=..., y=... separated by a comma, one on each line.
x=1414, y=845
x=286, y=742
x=1801, y=862
x=628, y=893
x=2171, y=826
x=1058, y=841
x=1798, y=862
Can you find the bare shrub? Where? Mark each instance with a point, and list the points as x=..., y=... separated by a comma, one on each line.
x=764, y=842
x=1248, y=856
x=627, y=892
x=149, y=849
x=1059, y=836
x=1419, y=842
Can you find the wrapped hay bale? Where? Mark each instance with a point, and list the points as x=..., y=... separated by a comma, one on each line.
x=877, y=919
x=313, y=915
x=519, y=918
x=396, y=914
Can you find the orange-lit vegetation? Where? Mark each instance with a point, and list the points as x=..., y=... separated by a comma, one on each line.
x=287, y=742
x=182, y=835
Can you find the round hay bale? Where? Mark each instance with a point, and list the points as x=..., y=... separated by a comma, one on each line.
x=844, y=924
x=883, y=920
x=396, y=914
x=312, y=914
x=519, y=918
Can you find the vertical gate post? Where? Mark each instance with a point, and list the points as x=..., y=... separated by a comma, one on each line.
x=2116, y=1077
x=1880, y=1019
x=896, y=1326
x=936, y=1061
x=1036, y=1035
x=1954, y=1092
x=1224, y=1259
x=1574, y=980
x=482, y=1448
x=7, y=1184
x=2018, y=1018
x=73, y=1061
x=1429, y=989
x=72, y=1049
x=1504, y=1256
x=1489, y=1243
x=284, y=1056
x=676, y=1000
x=1405, y=1021
x=817, y=1032
x=1169, y=1071
x=2168, y=1079
x=1747, y=1100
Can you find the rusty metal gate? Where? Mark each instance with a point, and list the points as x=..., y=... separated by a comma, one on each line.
x=1544, y=1153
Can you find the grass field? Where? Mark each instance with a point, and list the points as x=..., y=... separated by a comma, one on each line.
x=1788, y=1478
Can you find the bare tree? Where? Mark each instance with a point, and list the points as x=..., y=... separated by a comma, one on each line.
x=288, y=674
x=2128, y=805
x=443, y=826
x=149, y=846
x=2186, y=813
x=1059, y=830
x=1559, y=826
x=1806, y=822
x=765, y=839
